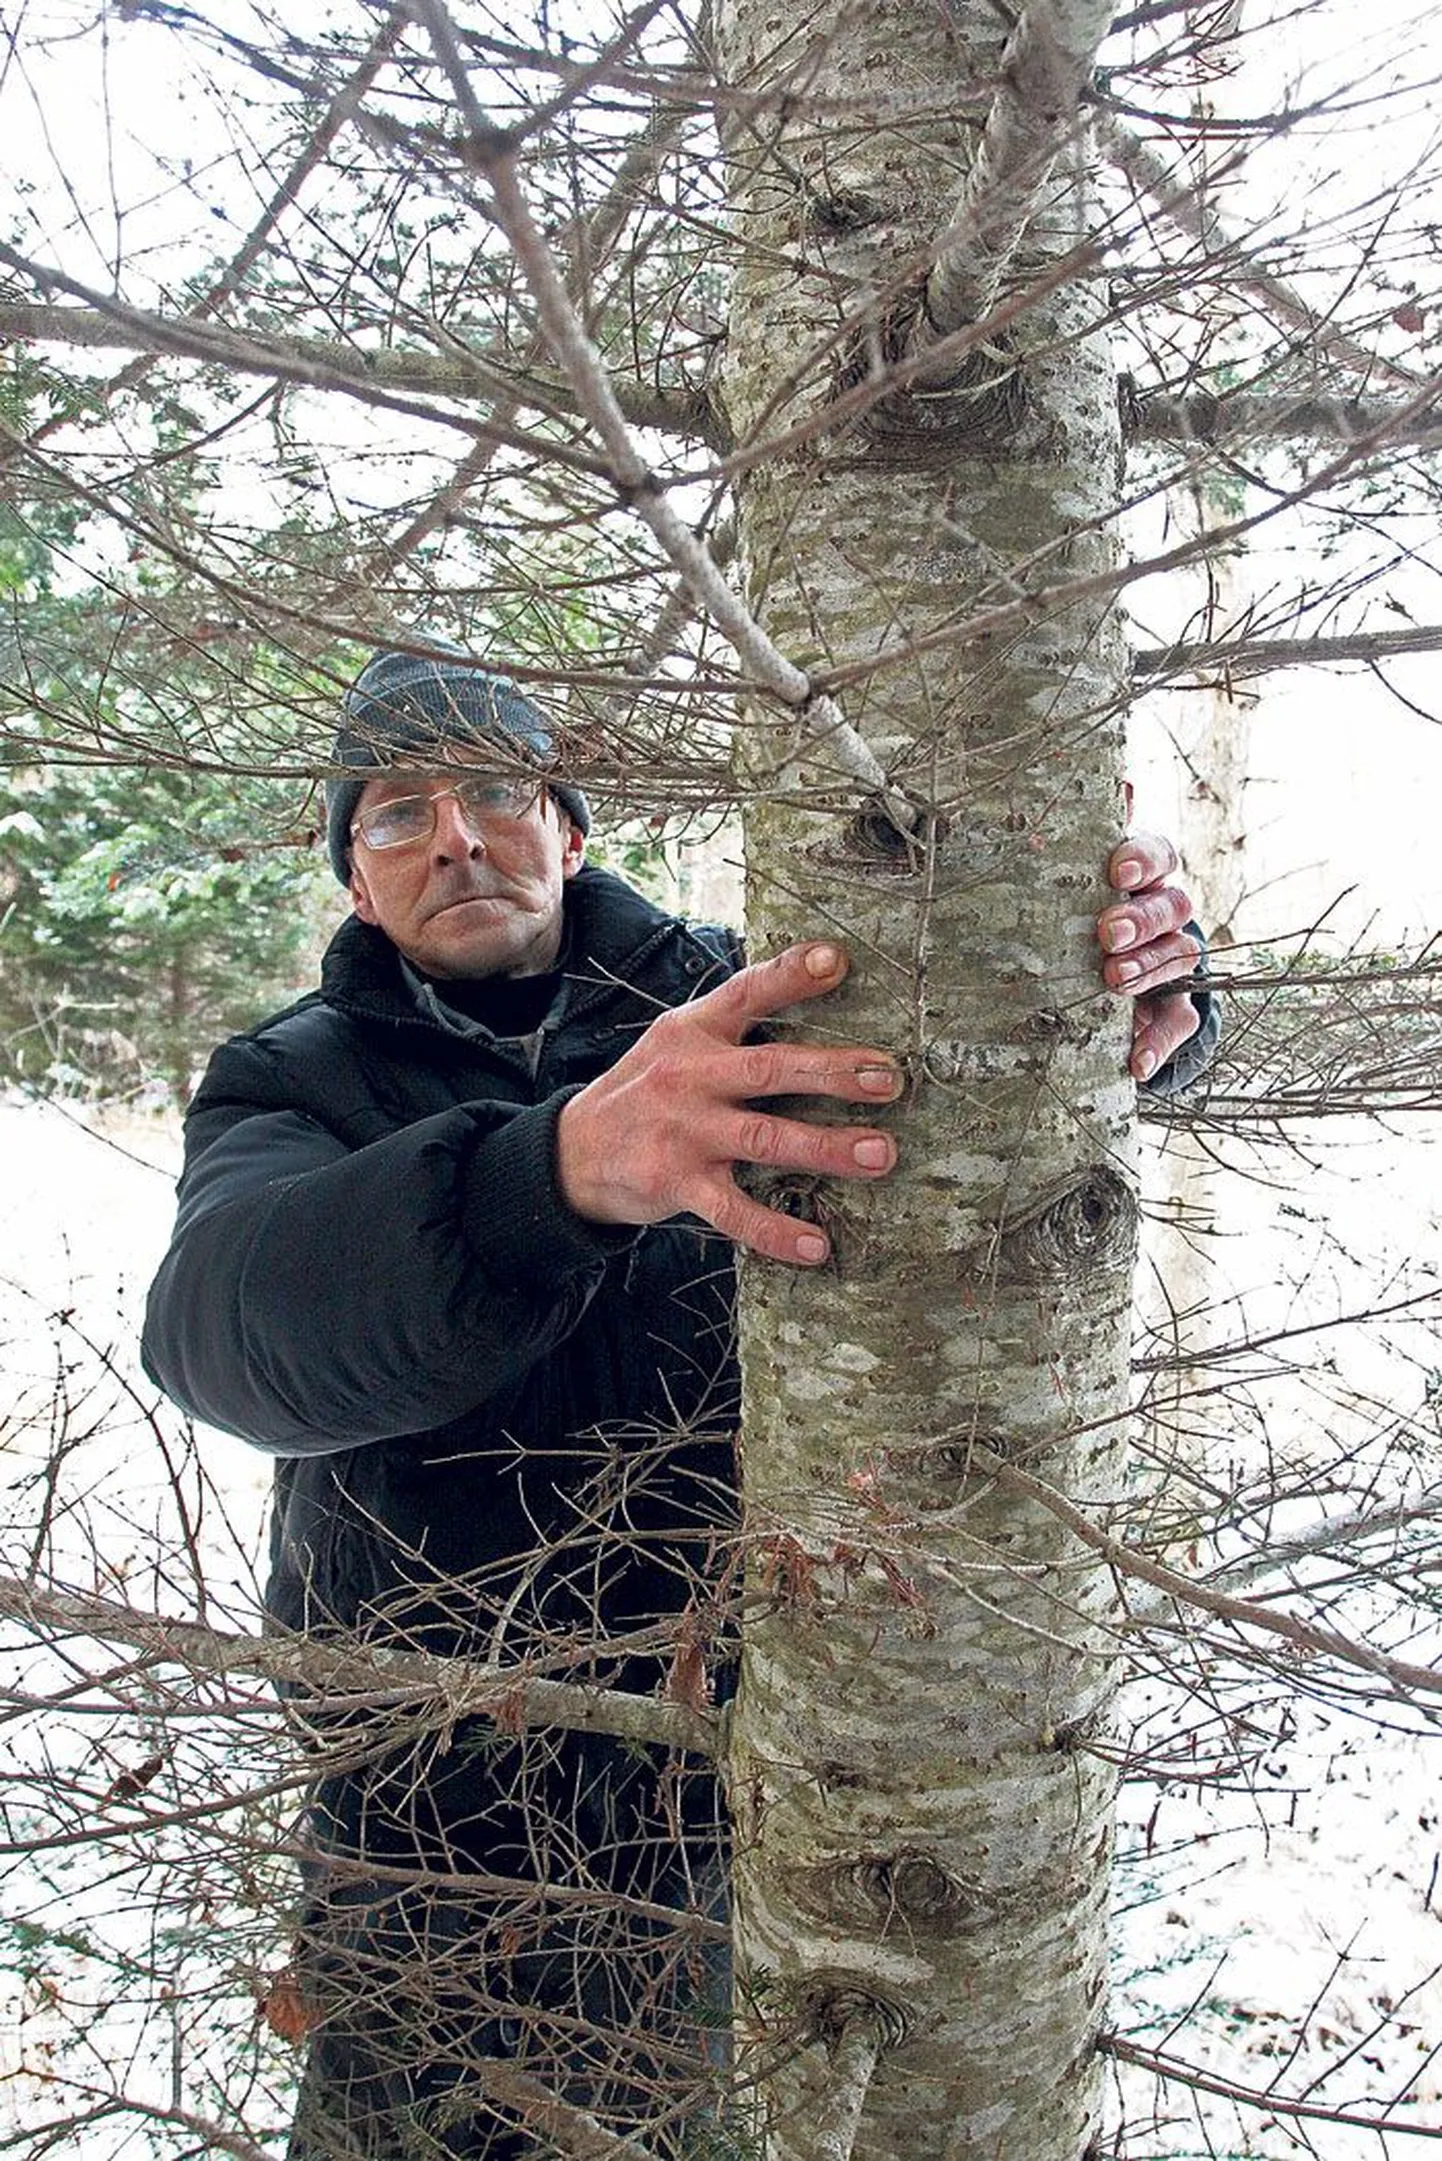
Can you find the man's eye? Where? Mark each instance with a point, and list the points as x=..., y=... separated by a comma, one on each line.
x=499, y=798
x=409, y=814
x=481, y=794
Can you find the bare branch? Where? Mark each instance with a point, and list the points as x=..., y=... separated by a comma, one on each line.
x=1046, y=65
x=1186, y=207
x=853, y=2057
x=591, y=243
x=1236, y=418
x=376, y=376
x=1331, y=1535
x=1012, y=615
x=1171, y=2067
x=1402, y=1674
x=460, y=1687
x=1235, y=658
x=493, y=153
x=69, y=2127
x=573, y=2131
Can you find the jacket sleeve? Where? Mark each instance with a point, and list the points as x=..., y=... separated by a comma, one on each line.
x=316, y=1296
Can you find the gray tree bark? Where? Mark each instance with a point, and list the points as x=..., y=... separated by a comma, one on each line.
x=922, y=1827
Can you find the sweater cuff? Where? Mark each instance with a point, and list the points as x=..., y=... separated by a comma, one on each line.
x=515, y=1218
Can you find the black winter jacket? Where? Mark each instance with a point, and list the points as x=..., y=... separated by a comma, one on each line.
x=374, y=1275
x=499, y=1429
x=496, y=1424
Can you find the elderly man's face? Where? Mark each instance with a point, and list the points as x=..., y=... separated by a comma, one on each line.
x=480, y=895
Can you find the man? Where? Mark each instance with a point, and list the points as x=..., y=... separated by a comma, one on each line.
x=446, y=1246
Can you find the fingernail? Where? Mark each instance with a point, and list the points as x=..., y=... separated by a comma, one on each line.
x=872, y=1155
x=1129, y=871
x=878, y=1080
x=822, y=960
x=1127, y=971
x=1120, y=935
x=809, y=1247
x=1144, y=1065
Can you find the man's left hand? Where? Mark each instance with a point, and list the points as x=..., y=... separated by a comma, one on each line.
x=1147, y=948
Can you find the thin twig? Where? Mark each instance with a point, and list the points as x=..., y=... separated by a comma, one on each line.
x=1169, y=2067
x=1185, y=207
x=1399, y=1673
x=492, y=151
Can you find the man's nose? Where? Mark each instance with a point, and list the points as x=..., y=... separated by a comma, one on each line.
x=456, y=832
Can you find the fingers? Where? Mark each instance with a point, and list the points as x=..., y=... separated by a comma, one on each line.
x=850, y=1073
x=767, y=987
x=1144, y=859
x=1152, y=966
x=763, y=1230
x=781, y=1144
x=1132, y=925
x=1148, y=946
x=1159, y=1029
x=658, y=1133
x=790, y=1144
x=692, y=1066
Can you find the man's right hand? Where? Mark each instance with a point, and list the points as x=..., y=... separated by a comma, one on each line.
x=659, y=1133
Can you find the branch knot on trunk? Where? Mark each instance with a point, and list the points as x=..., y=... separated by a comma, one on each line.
x=836, y=2004
x=921, y=421
x=914, y=1888
x=1087, y=1228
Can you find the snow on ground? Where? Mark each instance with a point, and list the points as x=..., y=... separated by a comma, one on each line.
x=1288, y=1929
x=85, y=1214
x=1290, y=1935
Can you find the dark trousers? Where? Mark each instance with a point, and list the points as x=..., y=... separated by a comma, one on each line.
x=414, y=1991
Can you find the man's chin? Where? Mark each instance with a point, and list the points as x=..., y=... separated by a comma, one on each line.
x=471, y=941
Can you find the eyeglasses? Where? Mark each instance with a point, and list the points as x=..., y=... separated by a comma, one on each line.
x=483, y=801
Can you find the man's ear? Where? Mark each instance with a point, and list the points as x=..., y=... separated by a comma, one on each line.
x=573, y=844
x=360, y=898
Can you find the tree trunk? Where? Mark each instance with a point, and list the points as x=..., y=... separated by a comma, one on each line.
x=922, y=1828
